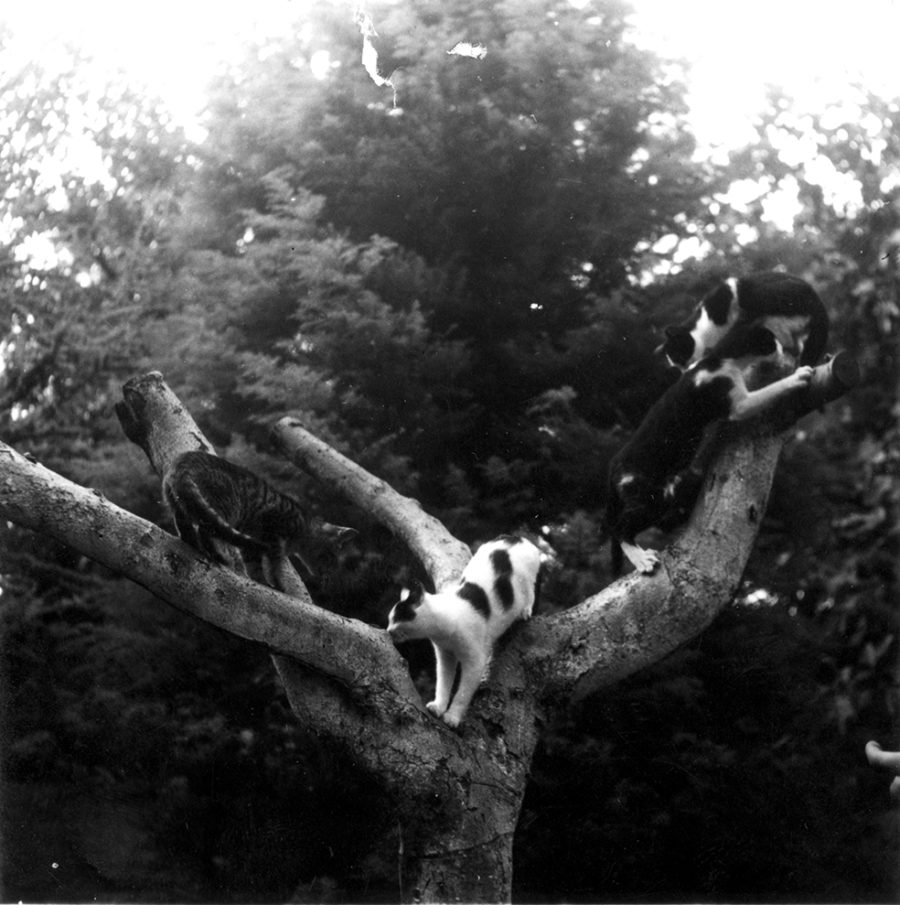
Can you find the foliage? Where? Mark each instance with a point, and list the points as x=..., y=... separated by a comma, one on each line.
x=683, y=778
x=461, y=290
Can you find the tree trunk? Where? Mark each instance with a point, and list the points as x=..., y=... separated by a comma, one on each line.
x=472, y=873
x=456, y=794
x=457, y=830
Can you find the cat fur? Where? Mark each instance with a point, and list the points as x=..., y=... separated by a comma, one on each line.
x=497, y=587
x=785, y=305
x=212, y=499
x=651, y=477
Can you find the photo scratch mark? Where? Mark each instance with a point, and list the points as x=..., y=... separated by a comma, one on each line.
x=369, y=53
x=378, y=71
x=466, y=49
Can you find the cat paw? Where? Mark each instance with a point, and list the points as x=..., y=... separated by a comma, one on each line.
x=645, y=561
x=452, y=720
x=802, y=376
x=435, y=709
x=648, y=562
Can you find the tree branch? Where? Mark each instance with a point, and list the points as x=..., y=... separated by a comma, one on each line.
x=442, y=555
x=356, y=655
x=830, y=381
x=629, y=625
x=640, y=619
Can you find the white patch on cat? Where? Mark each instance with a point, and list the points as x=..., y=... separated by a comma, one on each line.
x=707, y=333
x=790, y=332
x=645, y=561
x=461, y=632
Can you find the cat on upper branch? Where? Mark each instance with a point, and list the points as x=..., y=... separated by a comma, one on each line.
x=649, y=477
x=498, y=586
x=212, y=499
x=785, y=305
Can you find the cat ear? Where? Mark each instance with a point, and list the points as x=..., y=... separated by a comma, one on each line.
x=406, y=607
x=679, y=345
x=718, y=303
x=413, y=593
x=337, y=534
x=343, y=535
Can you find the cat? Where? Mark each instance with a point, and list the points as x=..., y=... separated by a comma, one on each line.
x=212, y=499
x=497, y=587
x=652, y=478
x=786, y=305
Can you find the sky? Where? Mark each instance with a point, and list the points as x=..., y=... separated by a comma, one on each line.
x=172, y=48
x=812, y=48
x=815, y=50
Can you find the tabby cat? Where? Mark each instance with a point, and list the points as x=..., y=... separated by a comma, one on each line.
x=212, y=499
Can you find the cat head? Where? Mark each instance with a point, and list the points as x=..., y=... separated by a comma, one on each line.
x=678, y=346
x=749, y=342
x=403, y=624
x=336, y=535
x=316, y=546
x=689, y=341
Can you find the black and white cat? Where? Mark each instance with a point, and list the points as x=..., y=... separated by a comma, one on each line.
x=786, y=305
x=497, y=587
x=646, y=481
x=212, y=499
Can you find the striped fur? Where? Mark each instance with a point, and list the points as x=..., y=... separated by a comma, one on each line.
x=213, y=499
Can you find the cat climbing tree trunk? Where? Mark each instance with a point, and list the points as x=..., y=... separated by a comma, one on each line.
x=456, y=795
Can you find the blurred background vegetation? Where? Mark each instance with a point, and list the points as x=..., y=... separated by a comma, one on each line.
x=460, y=284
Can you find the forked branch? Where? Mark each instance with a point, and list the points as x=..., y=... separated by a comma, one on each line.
x=640, y=619
x=351, y=653
x=625, y=627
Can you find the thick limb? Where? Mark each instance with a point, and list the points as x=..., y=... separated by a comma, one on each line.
x=445, y=673
x=187, y=531
x=640, y=505
x=472, y=665
x=442, y=555
x=277, y=570
x=746, y=403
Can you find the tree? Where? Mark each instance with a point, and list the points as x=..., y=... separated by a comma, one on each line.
x=526, y=182
x=456, y=795
x=488, y=372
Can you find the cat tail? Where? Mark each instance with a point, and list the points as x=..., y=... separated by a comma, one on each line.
x=213, y=522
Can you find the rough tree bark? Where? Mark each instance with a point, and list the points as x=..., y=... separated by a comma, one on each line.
x=457, y=794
